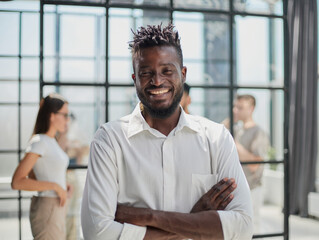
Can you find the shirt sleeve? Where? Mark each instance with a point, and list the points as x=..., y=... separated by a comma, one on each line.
x=236, y=219
x=100, y=195
x=36, y=145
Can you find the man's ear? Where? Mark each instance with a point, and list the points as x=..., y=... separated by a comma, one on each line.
x=133, y=77
x=184, y=72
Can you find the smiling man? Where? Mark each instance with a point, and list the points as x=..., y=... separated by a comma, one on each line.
x=159, y=173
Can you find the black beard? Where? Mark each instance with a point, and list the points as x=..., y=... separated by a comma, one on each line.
x=162, y=113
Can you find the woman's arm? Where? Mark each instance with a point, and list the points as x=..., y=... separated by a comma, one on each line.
x=22, y=181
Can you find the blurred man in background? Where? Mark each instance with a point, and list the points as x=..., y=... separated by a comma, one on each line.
x=252, y=145
x=186, y=99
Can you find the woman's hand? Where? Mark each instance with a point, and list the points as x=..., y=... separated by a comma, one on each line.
x=62, y=194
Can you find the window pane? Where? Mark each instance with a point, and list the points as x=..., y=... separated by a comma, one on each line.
x=9, y=125
x=210, y=103
x=9, y=91
x=30, y=34
x=9, y=68
x=8, y=162
x=78, y=35
x=30, y=69
x=101, y=37
x=9, y=222
x=87, y=1
x=205, y=45
x=9, y=32
x=122, y=101
x=30, y=92
x=150, y=17
x=78, y=70
x=49, y=34
x=259, y=51
x=204, y=4
x=49, y=69
x=120, y=70
x=28, y=117
x=142, y=2
x=118, y=45
x=259, y=6
x=21, y=5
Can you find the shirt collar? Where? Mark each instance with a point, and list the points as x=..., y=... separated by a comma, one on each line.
x=188, y=121
x=138, y=124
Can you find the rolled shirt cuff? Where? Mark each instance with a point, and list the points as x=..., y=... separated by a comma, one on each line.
x=130, y=232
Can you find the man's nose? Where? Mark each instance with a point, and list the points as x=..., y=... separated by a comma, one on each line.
x=157, y=79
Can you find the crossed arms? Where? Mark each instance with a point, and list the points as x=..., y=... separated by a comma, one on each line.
x=201, y=223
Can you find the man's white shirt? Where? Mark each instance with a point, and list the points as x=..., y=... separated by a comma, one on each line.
x=136, y=165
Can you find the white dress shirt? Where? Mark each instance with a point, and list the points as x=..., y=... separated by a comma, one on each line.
x=136, y=165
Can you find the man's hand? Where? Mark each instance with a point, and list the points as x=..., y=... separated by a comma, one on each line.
x=246, y=156
x=217, y=198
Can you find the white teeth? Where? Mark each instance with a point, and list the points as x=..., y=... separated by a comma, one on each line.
x=156, y=92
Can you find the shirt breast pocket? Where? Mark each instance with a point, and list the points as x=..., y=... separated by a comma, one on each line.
x=201, y=183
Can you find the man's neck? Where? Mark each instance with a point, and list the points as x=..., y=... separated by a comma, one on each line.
x=163, y=125
x=249, y=123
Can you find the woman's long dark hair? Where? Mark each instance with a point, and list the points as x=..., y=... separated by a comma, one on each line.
x=50, y=104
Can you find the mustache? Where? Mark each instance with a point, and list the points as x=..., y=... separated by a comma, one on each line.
x=157, y=87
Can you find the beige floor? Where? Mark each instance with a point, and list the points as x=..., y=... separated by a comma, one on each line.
x=299, y=228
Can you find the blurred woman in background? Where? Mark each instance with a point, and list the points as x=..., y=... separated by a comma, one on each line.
x=43, y=169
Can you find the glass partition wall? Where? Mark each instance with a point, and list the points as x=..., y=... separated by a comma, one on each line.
x=80, y=50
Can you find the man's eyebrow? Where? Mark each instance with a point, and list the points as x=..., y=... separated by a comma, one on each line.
x=168, y=64
x=161, y=64
x=145, y=66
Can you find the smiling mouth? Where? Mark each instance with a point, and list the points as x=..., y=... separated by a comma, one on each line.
x=158, y=92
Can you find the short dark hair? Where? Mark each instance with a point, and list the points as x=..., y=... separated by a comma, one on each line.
x=152, y=36
x=50, y=104
x=186, y=88
x=247, y=97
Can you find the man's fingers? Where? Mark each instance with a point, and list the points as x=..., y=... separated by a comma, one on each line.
x=217, y=185
x=224, y=204
x=219, y=198
x=220, y=187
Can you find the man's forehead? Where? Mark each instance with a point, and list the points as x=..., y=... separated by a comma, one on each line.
x=143, y=65
x=243, y=102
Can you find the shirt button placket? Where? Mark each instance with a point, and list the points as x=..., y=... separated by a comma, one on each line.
x=168, y=175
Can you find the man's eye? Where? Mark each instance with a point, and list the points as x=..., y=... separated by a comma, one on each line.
x=145, y=74
x=168, y=71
